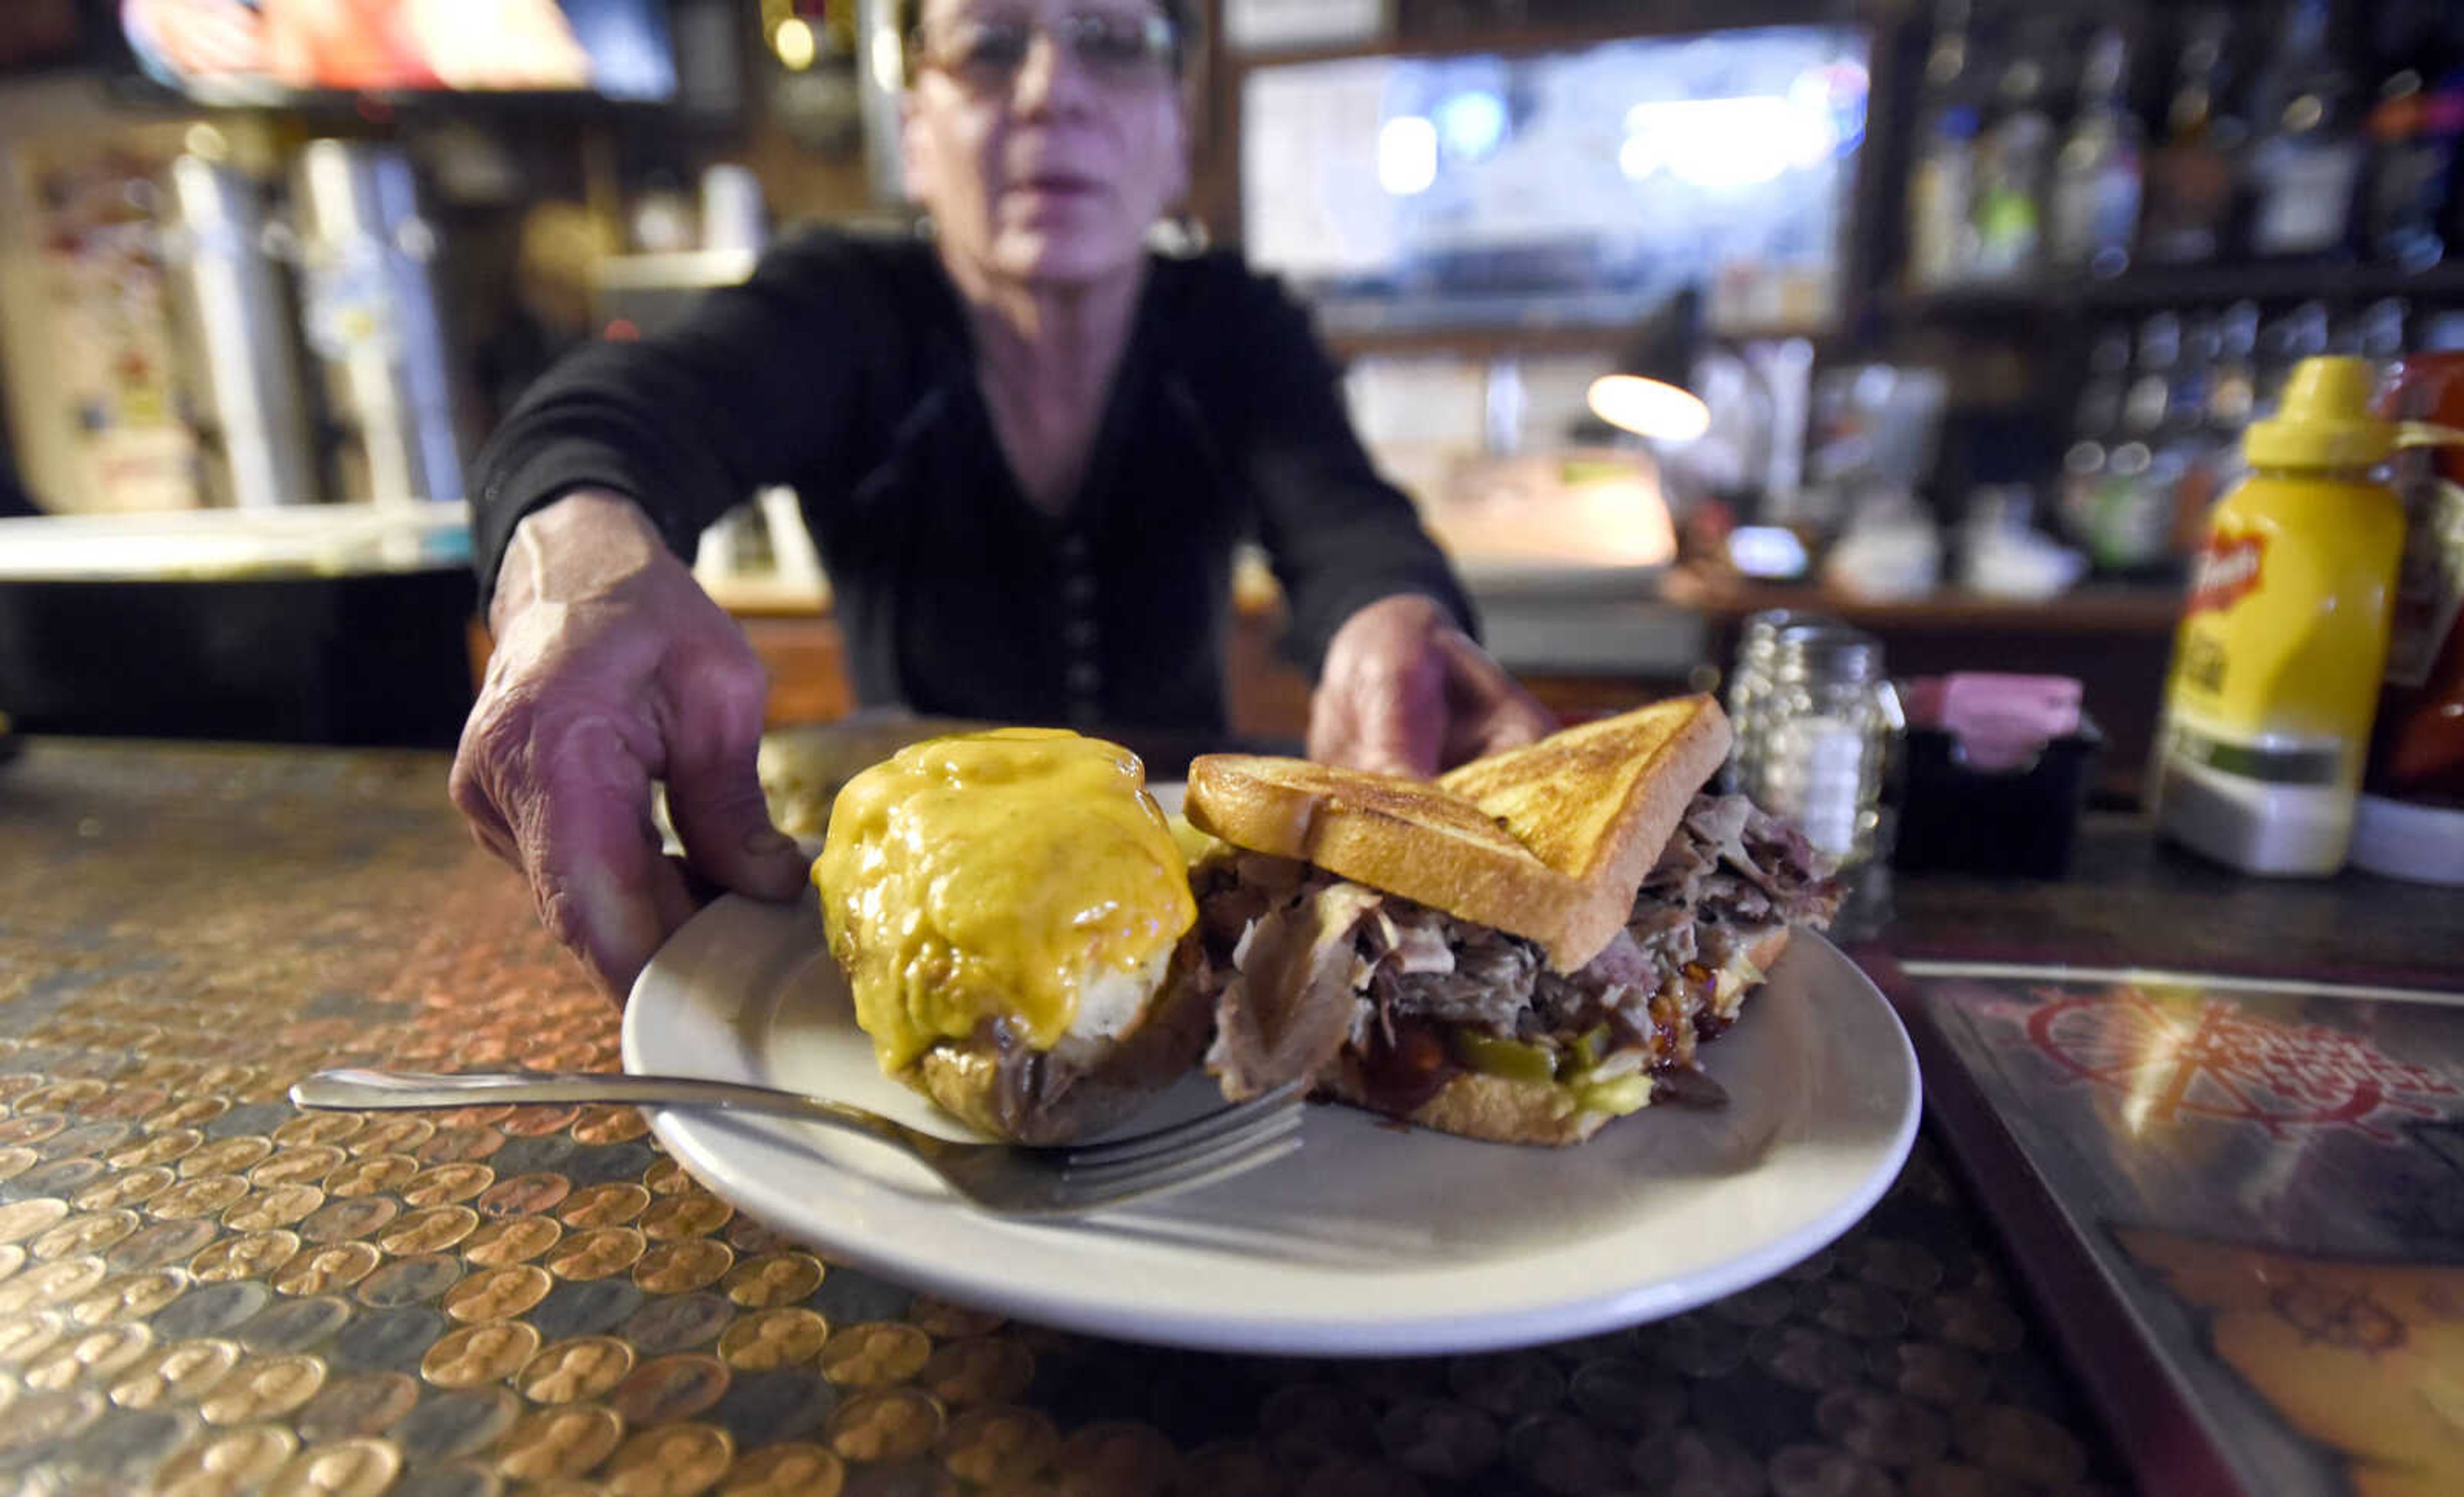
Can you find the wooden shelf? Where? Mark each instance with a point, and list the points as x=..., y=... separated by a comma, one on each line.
x=1489, y=342
x=1474, y=342
x=2144, y=610
x=2172, y=285
x=2164, y=286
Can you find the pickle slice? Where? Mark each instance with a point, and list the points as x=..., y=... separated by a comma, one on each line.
x=1586, y=1054
x=1512, y=1059
x=1616, y=1098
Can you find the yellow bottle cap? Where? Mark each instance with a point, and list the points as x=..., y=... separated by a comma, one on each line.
x=2324, y=420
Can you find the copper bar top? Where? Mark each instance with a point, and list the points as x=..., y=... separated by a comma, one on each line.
x=203, y=1289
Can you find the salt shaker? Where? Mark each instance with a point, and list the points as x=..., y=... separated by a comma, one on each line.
x=1750, y=686
x=1825, y=731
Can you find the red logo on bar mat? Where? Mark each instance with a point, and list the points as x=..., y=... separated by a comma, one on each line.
x=2208, y=1060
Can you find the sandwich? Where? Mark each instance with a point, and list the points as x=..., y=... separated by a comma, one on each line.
x=1015, y=922
x=1528, y=947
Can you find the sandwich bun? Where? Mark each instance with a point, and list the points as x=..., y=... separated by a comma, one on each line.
x=1597, y=802
x=1401, y=836
x=1548, y=842
x=1492, y=1109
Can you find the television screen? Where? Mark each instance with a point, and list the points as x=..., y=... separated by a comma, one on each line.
x=254, y=52
x=1580, y=186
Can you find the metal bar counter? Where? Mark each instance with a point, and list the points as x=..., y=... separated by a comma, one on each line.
x=202, y=1289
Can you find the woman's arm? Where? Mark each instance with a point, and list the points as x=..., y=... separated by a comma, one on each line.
x=612, y=669
x=1377, y=614
x=1340, y=536
x=757, y=385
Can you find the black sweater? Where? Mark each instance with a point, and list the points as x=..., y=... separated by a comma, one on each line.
x=843, y=368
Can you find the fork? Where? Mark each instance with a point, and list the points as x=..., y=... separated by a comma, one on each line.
x=1014, y=1179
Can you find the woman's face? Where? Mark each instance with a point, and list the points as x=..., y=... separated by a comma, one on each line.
x=1048, y=173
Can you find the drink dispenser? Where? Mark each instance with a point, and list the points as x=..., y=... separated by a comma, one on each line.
x=244, y=398
x=369, y=307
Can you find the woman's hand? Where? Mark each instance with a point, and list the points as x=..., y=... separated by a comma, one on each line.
x=1404, y=692
x=612, y=668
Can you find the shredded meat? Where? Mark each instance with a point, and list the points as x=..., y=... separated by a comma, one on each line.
x=1288, y=1002
x=1418, y=947
x=1483, y=977
x=1731, y=872
x=1738, y=862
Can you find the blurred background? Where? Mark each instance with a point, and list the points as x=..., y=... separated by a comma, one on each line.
x=1943, y=317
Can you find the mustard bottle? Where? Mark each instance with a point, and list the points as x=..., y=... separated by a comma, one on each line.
x=2277, y=661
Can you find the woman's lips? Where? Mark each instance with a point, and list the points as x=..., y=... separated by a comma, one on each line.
x=1058, y=186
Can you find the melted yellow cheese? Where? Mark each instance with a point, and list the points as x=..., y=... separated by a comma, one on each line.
x=997, y=876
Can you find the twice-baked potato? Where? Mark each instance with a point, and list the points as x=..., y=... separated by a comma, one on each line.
x=1014, y=918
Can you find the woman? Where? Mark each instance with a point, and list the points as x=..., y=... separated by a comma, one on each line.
x=1026, y=448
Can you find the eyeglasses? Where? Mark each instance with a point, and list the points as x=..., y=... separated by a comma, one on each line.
x=986, y=55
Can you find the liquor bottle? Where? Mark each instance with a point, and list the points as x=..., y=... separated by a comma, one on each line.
x=2302, y=333
x=2096, y=176
x=2014, y=161
x=2151, y=383
x=2130, y=528
x=1942, y=181
x=2380, y=333
x=2108, y=383
x=2305, y=163
x=2186, y=458
x=2411, y=818
x=2095, y=430
x=2233, y=388
x=2232, y=392
x=2191, y=176
x=2415, y=129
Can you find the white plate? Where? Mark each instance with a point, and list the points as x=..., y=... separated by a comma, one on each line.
x=1371, y=1239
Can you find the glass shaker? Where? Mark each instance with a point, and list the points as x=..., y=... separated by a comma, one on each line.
x=1827, y=727
x=1750, y=688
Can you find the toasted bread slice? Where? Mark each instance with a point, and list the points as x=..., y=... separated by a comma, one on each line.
x=1404, y=836
x=1586, y=798
x=1598, y=802
x=1547, y=843
x=1493, y=1108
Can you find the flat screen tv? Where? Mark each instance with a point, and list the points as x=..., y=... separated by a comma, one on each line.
x=1582, y=185
x=276, y=52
